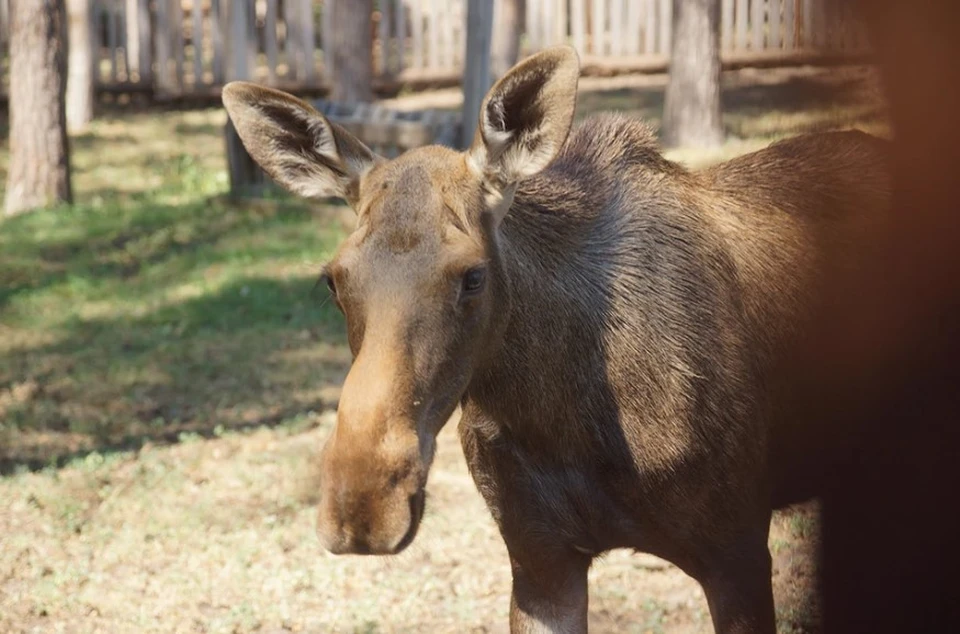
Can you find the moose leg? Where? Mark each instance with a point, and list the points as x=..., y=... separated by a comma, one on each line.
x=550, y=597
x=739, y=588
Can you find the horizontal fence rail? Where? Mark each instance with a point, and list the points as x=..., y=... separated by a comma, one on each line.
x=192, y=47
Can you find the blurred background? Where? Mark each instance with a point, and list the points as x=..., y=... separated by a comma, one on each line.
x=168, y=365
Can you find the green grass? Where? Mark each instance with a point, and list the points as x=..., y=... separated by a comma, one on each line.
x=156, y=304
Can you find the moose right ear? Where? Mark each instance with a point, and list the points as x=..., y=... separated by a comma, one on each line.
x=526, y=116
x=296, y=145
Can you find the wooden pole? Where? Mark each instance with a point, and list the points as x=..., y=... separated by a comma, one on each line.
x=476, y=72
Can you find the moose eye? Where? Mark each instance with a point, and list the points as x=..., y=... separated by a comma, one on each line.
x=327, y=279
x=473, y=280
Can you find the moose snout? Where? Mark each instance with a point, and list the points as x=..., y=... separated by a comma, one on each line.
x=371, y=498
x=341, y=533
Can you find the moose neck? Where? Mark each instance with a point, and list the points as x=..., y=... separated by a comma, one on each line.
x=549, y=359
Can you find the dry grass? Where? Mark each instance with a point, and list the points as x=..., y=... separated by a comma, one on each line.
x=217, y=536
x=166, y=375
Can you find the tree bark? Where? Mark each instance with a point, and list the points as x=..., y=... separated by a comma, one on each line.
x=39, y=173
x=80, y=99
x=509, y=18
x=352, y=47
x=691, y=111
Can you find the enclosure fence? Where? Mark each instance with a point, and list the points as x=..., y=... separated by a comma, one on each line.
x=183, y=47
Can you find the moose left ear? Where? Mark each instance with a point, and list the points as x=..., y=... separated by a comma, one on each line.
x=526, y=116
x=296, y=145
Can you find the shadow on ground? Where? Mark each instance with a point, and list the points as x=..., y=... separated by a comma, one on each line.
x=144, y=322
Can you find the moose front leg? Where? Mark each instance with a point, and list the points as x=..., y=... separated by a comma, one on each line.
x=549, y=594
x=738, y=587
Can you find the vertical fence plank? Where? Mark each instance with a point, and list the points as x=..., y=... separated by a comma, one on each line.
x=743, y=22
x=326, y=36
x=632, y=44
x=789, y=24
x=291, y=37
x=145, y=58
x=383, y=34
x=176, y=33
x=561, y=22
x=239, y=68
x=578, y=20
x=433, y=35
x=399, y=32
x=650, y=27
x=416, y=33
x=597, y=24
x=96, y=39
x=308, y=40
x=251, y=44
x=162, y=41
x=756, y=24
x=4, y=23
x=809, y=28
x=217, y=40
x=548, y=25
x=666, y=12
x=123, y=40
x=774, y=23
x=197, y=37
x=446, y=25
x=726, y=25
x=131, y=39
x=532, y=25
x=271, y=48
x=112, y=40
x=616, y=12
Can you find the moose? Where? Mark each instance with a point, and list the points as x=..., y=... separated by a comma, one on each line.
x=614, y=327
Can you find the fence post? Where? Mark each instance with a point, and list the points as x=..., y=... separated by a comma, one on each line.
x=476, y=75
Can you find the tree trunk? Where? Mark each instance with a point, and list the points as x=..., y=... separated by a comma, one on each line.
x=508, y=27
x=691, y=111
x=39, y=173
x=80, y=65
x=352, y=46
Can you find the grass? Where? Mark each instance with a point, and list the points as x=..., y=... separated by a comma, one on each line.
x=168, y=370
x=157, y=305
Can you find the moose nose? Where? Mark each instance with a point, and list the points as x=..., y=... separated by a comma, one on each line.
x=344, y=544
x=342, y=538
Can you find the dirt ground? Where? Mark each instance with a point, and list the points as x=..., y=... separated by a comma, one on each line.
x=218, y=536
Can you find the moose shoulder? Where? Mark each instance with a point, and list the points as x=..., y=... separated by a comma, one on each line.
x=615, y=327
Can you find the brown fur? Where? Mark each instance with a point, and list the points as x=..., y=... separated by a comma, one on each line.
x=620, y=371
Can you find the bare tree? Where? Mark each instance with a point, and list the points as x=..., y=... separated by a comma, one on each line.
x=39, y=173
x=508, y=27
x=352, y=46
x=80, y=97
x=691, y=112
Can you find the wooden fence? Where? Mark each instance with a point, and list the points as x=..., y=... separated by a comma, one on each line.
x=183, y=47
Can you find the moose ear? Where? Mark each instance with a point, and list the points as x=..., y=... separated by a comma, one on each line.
x=526, y=116
x=296, y=145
